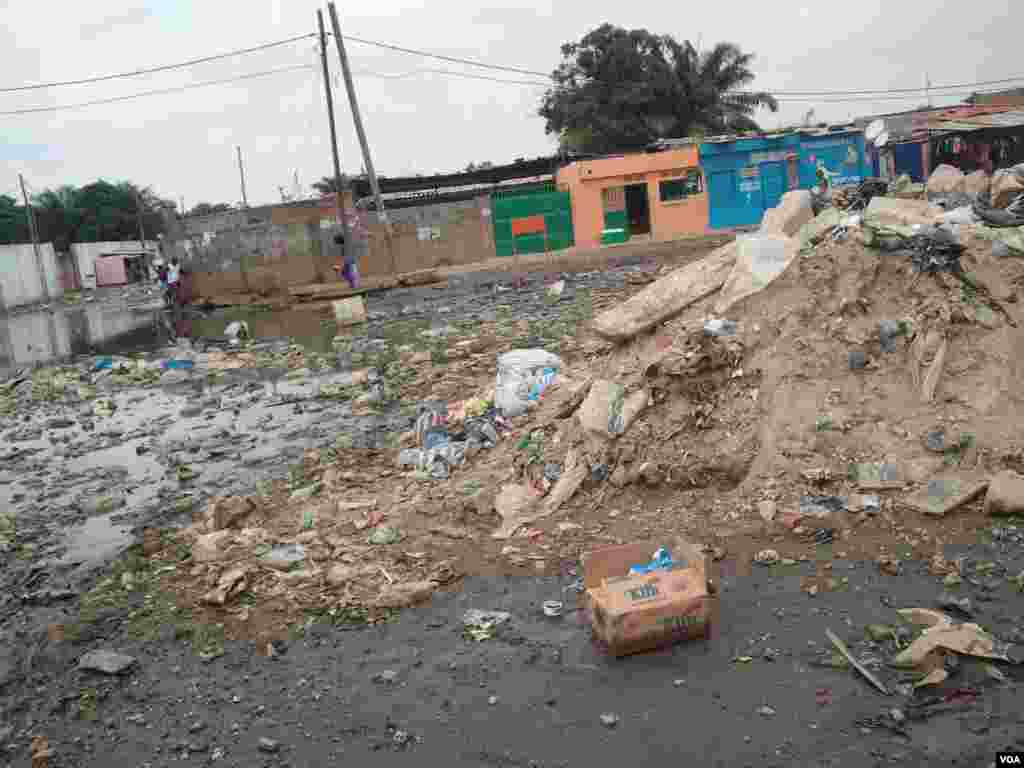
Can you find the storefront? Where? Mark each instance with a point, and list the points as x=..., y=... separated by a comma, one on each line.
x=657, y=195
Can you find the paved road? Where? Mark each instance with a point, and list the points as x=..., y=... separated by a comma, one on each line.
x=320, y=702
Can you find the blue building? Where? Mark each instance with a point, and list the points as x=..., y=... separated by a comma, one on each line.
x=747, y=176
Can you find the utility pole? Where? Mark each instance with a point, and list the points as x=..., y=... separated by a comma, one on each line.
x=241, y=174
x=339, y=191
x=35, y=240
x=360, y=131
x=138, y=215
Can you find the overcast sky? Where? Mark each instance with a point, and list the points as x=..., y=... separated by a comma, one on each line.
x=184, y=144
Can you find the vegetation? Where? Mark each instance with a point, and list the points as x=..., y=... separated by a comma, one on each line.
x=619, y=89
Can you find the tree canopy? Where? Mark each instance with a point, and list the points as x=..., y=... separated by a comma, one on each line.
x=619, y=89
x=97, y=212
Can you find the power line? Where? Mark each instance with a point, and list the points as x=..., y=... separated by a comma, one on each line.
x=450, y=73
x=158, y=92
x=162, y=68
x=442, y=57
x=890, y=97
x=896, y=90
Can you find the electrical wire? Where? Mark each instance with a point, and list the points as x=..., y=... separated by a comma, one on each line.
x=158, y=92
x=442, y=57
x=162, y=68
x=450, y=73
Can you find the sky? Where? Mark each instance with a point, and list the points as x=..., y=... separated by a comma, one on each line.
x=183, y=144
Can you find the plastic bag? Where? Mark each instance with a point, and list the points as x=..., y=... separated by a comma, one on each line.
x=523, y=375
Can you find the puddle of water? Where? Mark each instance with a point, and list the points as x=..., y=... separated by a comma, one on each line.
x=96, y=540
x=59, y=334
x=312, y=329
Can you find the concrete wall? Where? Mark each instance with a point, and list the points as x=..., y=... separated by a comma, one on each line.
x=19, y=275
x=440, y=235
x=585, y=180
x=268, y=249
x=85, y=254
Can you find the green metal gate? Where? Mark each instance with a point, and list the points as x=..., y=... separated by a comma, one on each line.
x=523, y=205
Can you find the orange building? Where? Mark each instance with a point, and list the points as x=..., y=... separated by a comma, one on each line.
x=658, y=195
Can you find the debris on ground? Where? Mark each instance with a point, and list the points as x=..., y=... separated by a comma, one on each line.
x=942, y=634
x=1005, y=496
x=483, y=625
x=40, y=752
x=662, y=605
x=868, y=675
x=946, y=493
x=106, y=662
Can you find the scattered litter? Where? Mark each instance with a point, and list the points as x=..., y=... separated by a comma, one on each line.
x=608, y=411
x=942, y=633
x=523, y=375
x=482, y=625
x=385, y=534
x=553, y=608
x=660, y=561
x=718, y=327
x=556, y=289
x=631, y=614
x=822, y=506
x=841, y=647
x=858, y=360
x=237, y=330
x=954, y=604
x=766, y=711
x=284, y=557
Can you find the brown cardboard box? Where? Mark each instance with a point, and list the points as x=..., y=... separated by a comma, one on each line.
x=631, y=614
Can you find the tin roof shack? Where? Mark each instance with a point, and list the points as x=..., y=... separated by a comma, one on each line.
x=977, y=138
x=747, y=176
x=657, y=194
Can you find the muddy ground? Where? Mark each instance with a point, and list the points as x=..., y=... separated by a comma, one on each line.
x=306, y=421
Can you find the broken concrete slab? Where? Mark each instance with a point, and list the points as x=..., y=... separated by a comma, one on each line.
x=1005, y=495
x=760, y=259
x=106, y=662
x=946, y=493
x=793, y=211
x=665, y=298
x=608, y=411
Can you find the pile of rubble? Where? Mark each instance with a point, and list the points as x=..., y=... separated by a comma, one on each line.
x=794, y=385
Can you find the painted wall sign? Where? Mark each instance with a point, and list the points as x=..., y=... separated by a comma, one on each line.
x=757, y=158
x=750, y=172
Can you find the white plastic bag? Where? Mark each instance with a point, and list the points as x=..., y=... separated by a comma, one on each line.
x=523, y=374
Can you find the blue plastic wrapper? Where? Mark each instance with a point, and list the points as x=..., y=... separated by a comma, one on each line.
x=662, y=561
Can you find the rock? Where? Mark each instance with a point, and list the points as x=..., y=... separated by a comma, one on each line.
x=858, y=360
x=269, y=746
x=231, y=584
x=609, y=720
x=492, y=700
x=107, y=662
x=620, y=477
x=1005, y=495
x=387, y=677
x=405, y=595
x=210, y=547
x=767, y=510
x=225, y=513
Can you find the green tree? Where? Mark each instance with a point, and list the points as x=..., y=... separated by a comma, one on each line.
x=13, y=224
x=619, y=89
x=98, y=212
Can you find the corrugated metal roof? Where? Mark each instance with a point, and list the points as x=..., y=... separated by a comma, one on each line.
x=978, y=122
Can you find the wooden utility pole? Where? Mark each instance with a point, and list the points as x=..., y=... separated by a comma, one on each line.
x=138, y=216
x=360, y=131
x=35, y=240
x=241, y=174
x=339, y=191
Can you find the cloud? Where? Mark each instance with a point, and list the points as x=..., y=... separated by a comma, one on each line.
x=114, y=23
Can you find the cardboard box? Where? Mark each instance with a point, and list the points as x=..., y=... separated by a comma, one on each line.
x=632, y=614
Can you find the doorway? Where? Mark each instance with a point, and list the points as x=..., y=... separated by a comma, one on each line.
x=638, y=209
